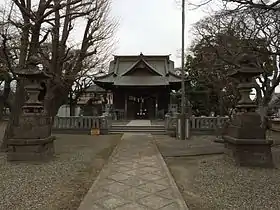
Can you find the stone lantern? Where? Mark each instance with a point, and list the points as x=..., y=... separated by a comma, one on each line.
x=245, y=139
x=31, y=138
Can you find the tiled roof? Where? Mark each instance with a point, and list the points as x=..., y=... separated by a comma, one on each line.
x=162, y=67
x=139, y=81
x=95, y=88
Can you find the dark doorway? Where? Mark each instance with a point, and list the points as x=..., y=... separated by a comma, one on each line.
x=142, y=107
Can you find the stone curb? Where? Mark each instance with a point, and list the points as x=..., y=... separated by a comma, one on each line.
x=180, y=200
x=87, y=201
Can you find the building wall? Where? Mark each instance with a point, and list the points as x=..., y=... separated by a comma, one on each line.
x=64, y=111
x=119, y=100
x=155, y=101
x=88, y=95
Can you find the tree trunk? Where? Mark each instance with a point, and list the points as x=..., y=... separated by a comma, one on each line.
x=5, y=96
x=1, y=109
x=56, y=96
x=263, y=110
x=72, y=109
x=53, y=100
x=52, y=104
x=15, y=113
x=71, y=104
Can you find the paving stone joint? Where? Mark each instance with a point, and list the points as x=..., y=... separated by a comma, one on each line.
x=135, y=177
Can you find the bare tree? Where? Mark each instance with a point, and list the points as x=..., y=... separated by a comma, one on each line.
x=248, y=30
x=265, y=5
x=193, y=4
x=45, y=28
x=84, y=80
x=8, y=55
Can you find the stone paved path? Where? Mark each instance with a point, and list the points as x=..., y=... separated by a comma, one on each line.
x=136, y=178
x=139, y=123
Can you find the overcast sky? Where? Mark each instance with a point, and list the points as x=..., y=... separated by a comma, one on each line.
x=152, y=26
x=148, y=26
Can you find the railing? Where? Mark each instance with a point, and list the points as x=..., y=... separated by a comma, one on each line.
x=160, y=114
x=197, y=125
x=210, y=123
x=207, y=125
x=82, y=124
x=118, y=114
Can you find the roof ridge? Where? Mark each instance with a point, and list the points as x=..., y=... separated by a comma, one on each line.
x=147, y=55
x=141, y=59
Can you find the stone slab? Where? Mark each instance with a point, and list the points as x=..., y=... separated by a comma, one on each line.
x=38, y=152
x=135, y=177
x=139, y=123
x=250, y=155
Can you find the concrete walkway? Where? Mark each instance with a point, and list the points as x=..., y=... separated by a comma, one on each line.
x=139, y=123
x=135, y=178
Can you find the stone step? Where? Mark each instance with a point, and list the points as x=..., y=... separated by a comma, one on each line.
x=138, y=127
x=137, y=131
x=154, y=129
x=131, y=130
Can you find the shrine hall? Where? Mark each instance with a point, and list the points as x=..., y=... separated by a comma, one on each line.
x=140, y=84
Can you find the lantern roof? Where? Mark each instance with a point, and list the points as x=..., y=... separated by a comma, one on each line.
x=33, y=71
x=247, y=67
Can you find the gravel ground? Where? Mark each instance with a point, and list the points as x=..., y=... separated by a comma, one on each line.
x=58, y=184
x=212, y=182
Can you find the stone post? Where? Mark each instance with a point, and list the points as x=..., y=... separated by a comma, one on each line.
x=125, y=106
x=170, y=121
x=31, y=139
x=245, y=139
x=105, y=124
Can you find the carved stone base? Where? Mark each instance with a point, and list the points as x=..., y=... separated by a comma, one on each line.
x=30, y=149
x=249, y=152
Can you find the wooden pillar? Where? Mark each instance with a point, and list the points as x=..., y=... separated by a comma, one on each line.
x=125, y=106
x=156, y=107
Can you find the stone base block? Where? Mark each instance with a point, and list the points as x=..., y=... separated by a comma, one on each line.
x=171, y=132
x=219, y=140
x=104, y=131
x=249, y=152
x=30, y=149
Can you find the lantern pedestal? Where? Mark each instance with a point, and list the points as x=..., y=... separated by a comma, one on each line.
x=31, y=149
x=31, y=139
x=245, y=142
x=245, y=138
